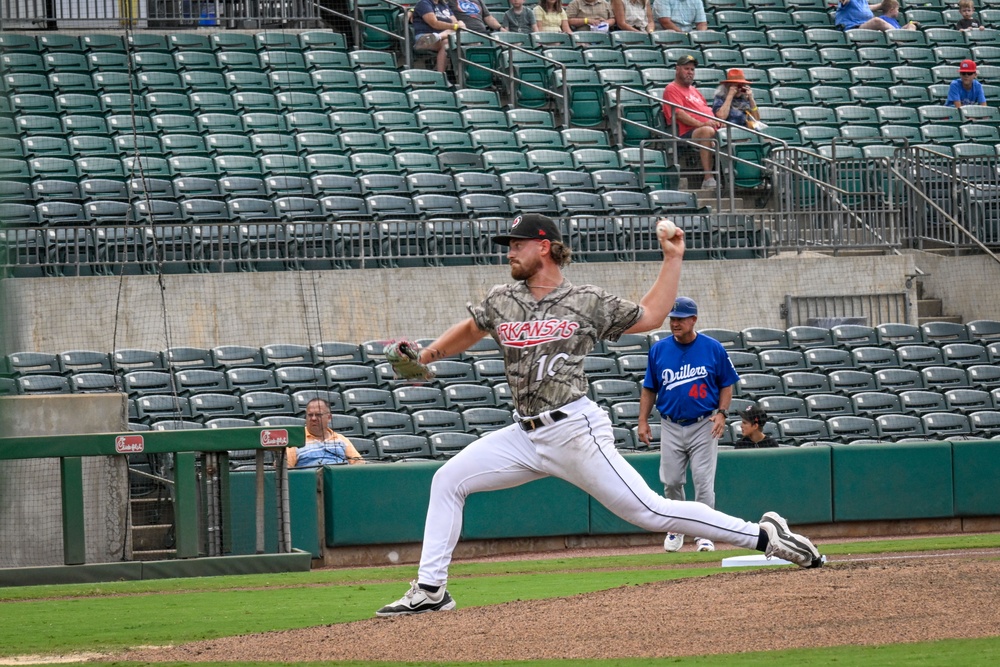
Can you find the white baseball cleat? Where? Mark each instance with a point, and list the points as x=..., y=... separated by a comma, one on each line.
x=418, y=601
x=785, y=544
x=674, y=542
x=705, y=545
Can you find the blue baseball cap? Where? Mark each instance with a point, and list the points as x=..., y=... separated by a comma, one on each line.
x=684, y=307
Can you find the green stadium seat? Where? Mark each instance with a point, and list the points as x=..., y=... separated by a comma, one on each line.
x=943, y=36
x=859, y=135
x=276, y=40
x=830, y=76
x=878, y=56
x=909, y=95
x=322, y=40
x=790, y=97
x=872, y=96
x=470, y=182
x=202, y=102
x=906, y=38
x=41, y=146
x=943, y=134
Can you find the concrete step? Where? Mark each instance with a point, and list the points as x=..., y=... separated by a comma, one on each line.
x=706, y=197
x=152, y=537
x=930, y=308
x=940, y=318
x=154, y=554
x=151, y=511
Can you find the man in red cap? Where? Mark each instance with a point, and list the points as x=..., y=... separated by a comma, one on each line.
x=965, y=89
x=695, y=119
x=734, y=100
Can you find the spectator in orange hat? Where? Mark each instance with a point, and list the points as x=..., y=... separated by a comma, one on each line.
x=965, y=89
x=734, y=101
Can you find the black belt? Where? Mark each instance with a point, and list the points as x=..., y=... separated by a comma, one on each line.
x=531, y=423
x=688, y=422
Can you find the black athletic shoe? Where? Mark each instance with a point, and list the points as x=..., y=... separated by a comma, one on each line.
x=787, y=545
x=418, y=601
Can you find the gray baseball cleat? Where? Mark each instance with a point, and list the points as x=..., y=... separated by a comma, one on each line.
x=785, y=544
x=418, y=601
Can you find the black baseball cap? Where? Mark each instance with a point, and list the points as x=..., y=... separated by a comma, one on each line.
x=530, y=226
x=686, y=60
x=754, y=414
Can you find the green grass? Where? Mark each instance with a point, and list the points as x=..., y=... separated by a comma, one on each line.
x=99, y=617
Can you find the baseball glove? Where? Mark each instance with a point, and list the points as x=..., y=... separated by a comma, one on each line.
x=403, y=356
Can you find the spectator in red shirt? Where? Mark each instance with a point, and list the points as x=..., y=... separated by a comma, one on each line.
x=695, y=119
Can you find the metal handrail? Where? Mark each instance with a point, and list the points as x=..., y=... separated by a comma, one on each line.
x=357, y=23
x=508, y=76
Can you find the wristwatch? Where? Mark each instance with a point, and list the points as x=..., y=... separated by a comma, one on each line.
x=718, y=411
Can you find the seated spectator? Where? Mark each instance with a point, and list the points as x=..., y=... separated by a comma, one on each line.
x=323, y=445
x=734, y=101
x=680, y=15
x=753, y=420
x=587, y=15
x=890, y=14
x=965, y=89
x=969, y=20
x=474, y=14
x=517, y=19
x=853, y=14
x=633, y=15
x=551, y=17
x=433, y=23
x=695, y=119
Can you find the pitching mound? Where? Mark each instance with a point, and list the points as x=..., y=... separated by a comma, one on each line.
x=870, y=602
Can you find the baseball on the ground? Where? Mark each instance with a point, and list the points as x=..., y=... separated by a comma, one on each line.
x=393, y=556
x=666, y=229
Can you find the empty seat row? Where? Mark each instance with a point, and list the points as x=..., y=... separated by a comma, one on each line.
x=212, y=113
x=849, y=382
x=142, y=41
x=255, y=141
x=780, y=361
x=178, y=189
x=891, y=427
x=874, y=403
x=152, y=171
x=848, y=336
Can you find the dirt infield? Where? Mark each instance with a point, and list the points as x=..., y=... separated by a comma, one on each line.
x=890, y=599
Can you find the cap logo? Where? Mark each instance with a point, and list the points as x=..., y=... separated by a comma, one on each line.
x=516, y=222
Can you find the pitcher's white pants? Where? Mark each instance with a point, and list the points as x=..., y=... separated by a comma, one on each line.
x=579, y=449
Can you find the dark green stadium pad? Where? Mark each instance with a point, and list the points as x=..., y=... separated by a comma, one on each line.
x=376, y=504
x=298, y=561
x=603, y=522
x=541, y=508
x=977, y=471
x=893, y=481
x=796, y=483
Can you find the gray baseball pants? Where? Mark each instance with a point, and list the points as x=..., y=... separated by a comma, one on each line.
x=681, y=446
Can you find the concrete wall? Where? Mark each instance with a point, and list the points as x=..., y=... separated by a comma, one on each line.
x=30, y=499
x=205, y=310
x=968, y=286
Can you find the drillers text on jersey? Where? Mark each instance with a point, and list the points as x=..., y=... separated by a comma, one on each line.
x=536, y=332
x=683, y=375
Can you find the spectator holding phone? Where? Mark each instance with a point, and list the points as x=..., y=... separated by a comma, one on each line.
x=734, y=101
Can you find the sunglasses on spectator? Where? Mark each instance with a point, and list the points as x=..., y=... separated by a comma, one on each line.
x=968, y=73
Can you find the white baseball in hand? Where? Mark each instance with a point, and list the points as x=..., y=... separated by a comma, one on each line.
x=665, y=229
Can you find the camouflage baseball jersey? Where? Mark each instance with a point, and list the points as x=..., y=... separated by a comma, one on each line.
x=544, y=342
